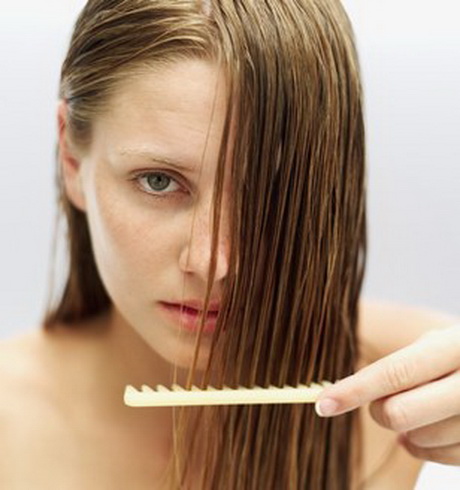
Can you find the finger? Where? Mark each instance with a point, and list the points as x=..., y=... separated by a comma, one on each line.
x=444, y=433
x=444, y=455
x=421, y=406
x=430, y=357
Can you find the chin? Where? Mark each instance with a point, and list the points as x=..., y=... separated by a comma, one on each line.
x=185, y=361
x=181, y=355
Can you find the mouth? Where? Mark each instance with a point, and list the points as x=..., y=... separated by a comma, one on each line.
x=189, y=318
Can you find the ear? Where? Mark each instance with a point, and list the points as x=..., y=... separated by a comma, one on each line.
x=71, y=167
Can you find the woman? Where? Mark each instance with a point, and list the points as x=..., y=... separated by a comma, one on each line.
x=211, y=170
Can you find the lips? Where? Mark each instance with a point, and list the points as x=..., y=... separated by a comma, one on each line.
x=214, y=306
x=188, y=315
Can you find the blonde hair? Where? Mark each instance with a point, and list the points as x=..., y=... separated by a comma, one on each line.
x=290, y=306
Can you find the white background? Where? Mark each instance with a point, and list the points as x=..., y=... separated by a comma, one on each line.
x=410, y=56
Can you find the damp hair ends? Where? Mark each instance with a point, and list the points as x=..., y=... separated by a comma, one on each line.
x=298, y=255
x=298, y=221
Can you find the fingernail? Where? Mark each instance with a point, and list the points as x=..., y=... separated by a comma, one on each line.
x=326, y=407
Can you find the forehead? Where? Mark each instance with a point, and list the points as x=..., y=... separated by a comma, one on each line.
x=178, y=107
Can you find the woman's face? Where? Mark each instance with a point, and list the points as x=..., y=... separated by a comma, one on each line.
x=147, y=187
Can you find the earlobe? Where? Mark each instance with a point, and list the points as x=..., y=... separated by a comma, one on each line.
x=70, y=164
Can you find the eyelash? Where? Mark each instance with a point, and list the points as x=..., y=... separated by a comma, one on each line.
x=157, y=194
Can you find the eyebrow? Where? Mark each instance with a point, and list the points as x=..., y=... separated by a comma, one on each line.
x=157, y=158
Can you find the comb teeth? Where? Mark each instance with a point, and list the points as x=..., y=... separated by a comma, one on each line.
x=161, y=396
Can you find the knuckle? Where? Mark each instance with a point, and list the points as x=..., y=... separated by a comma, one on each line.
x=394, y=415
x=399, y=374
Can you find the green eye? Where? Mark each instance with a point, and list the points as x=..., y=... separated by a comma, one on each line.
x=158, y=184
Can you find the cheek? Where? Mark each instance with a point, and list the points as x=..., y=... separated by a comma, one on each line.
x=133, y=244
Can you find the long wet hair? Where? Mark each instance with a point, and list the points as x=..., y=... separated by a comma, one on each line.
x=298, y=222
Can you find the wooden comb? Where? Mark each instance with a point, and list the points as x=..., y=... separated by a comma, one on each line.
x=161, y=396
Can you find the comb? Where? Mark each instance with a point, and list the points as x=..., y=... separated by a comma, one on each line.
x=161, y=396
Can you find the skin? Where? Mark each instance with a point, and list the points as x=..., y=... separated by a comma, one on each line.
x=155, y=244
x=150, y=249
x=412, y=389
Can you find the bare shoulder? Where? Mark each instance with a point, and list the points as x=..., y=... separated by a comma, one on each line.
x=21, y=372
x=25, y=402
x=23, y=364
x=386, y=326
x=36, y=369
x=38, y=422
x=53, y=431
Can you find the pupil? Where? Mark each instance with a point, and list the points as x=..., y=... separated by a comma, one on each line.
x=159, y=182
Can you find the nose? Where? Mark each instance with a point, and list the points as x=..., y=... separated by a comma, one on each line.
x=195, y=256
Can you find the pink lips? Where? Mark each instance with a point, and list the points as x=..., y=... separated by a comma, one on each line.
x=189, y=317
